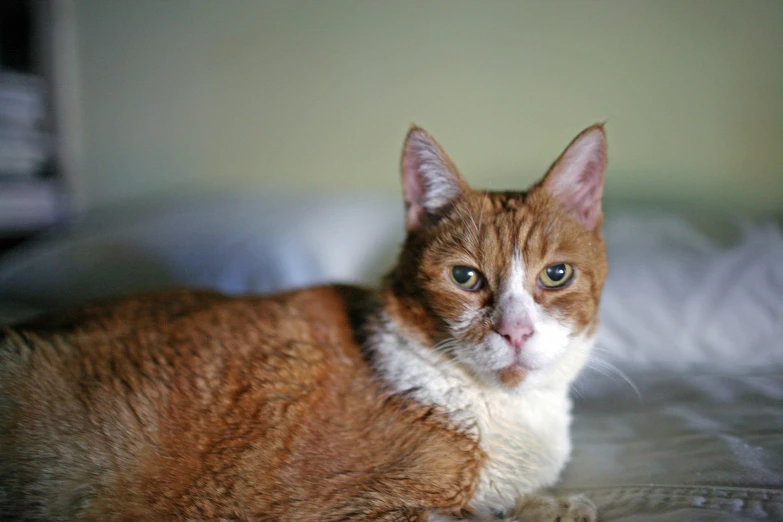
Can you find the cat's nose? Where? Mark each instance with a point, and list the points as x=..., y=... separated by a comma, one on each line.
x=516, y=332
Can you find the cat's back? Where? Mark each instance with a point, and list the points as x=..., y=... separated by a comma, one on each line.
x=179, y=334
x=153, y=347
x=197, y=404
x=101, y=395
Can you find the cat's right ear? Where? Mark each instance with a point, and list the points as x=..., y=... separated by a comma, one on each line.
x=430, y=180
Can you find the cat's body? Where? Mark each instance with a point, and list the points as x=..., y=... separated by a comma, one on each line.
x=162, y=421
x=444, y=392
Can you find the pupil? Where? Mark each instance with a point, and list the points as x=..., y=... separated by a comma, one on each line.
x=462, y=274
x=556, y=272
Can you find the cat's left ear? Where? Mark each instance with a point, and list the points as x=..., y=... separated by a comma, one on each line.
x=576, y=179
x=430, y=180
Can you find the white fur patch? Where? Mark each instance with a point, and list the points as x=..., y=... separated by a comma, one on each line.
x=514, y=287
x=525, y=432
x=550, y=334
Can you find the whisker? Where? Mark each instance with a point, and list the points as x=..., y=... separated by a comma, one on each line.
x=445, y=341
x=613, y=370
x=447, y=349
x=476, y=234
x=439, y=349
x=481, y=212
x=576, y=389
x=444, y=347
x=475, y=227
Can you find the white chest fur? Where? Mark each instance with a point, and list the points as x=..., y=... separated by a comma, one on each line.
x=527, y=444
x=525, y=434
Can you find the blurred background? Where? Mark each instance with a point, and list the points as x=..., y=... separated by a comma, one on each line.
x=150, y=97
x=139, y=135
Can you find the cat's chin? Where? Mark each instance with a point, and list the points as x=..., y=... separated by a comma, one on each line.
x=513, y=375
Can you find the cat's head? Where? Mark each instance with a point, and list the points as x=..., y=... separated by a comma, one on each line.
x=506, y=284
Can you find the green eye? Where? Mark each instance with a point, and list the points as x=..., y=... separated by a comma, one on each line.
x=556, y=276
x=466, y=277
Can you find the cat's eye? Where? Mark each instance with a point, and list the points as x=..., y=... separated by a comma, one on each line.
x=466, y=277
x=556, y=276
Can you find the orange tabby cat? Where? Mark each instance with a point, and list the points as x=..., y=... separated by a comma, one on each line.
x=443, y=395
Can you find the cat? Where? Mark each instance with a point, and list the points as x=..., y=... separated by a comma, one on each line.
x=442, y=395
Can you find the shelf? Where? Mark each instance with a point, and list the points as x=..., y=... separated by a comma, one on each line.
x=28, y=206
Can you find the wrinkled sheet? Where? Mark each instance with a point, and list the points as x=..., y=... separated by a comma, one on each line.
x=677, y=296
x=702, y=444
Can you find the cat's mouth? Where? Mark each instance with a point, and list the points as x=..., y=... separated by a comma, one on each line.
x=513, y=375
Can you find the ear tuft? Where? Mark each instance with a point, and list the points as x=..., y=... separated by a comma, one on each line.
x=576, y=179
x=429, y=179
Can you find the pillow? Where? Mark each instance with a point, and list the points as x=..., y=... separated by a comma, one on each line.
x=231, y=242
x=677, y=295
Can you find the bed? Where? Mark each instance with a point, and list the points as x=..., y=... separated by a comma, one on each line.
x=679, y=415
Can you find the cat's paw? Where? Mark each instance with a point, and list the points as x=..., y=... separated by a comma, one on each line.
x=534, y=508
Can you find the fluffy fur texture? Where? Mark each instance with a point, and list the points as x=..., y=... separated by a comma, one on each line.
x=424, y=400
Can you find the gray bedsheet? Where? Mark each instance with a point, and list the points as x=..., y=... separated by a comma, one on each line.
x=701, y=444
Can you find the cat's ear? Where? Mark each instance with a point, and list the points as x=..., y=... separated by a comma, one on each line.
x=576, y=179
x=430, y=180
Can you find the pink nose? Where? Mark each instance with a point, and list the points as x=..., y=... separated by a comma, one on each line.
x=516, y=332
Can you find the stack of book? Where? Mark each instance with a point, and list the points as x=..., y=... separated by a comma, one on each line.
x=30, y=191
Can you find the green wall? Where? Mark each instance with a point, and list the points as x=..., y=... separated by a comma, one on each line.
x=317, y=95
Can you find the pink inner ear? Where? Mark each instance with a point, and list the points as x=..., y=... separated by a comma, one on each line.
x=428, y=179
x=414, y=191
x=586, y=198
x=577, y=179
x=583, y=198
